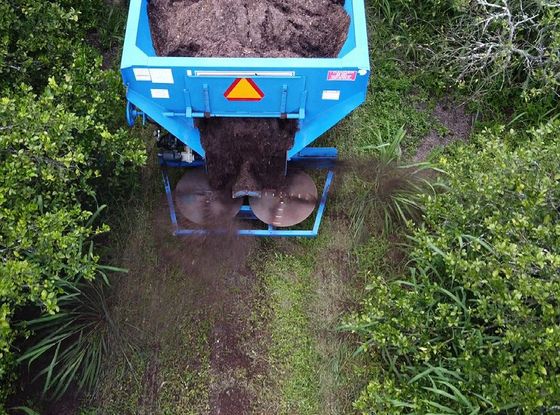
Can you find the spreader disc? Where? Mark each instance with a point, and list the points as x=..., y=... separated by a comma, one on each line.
x=201, y=204
x=288, y=206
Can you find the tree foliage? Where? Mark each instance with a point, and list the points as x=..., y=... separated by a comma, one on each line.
x=62, y=151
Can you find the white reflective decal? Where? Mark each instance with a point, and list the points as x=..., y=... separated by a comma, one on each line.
x=162, y=76
x=142, y=74
x=331, y=95
x=160, y=93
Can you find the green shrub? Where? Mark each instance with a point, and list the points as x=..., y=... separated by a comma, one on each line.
x=38, y=39
x=475, y=328
x=63, y=150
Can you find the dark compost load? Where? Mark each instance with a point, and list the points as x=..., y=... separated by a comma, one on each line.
x=249, y=153
x=249, y=28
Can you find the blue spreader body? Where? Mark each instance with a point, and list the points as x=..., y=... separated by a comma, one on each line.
x=173, y=91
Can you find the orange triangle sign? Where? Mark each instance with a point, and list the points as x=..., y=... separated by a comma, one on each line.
x=244, y=89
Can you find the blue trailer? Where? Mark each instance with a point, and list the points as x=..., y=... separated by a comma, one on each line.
x=174, y=91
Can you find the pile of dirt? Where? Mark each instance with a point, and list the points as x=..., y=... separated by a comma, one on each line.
x=246, y=152
x=248, y=28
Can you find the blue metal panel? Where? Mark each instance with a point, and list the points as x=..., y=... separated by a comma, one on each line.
x=350, y=43
x=317, y=102
x=270, y=105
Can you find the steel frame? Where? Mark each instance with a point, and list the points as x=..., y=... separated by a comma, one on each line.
x=314, y=157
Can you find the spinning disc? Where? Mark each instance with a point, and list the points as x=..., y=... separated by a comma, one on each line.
x=201, y=204
x=289, y=206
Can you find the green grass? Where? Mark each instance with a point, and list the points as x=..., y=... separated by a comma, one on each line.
x=168, y=372
x=395, y=100
x=292, y=349
x=167, y=369
x=307, y=287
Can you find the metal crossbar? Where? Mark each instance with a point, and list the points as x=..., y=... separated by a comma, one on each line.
x=314, y=157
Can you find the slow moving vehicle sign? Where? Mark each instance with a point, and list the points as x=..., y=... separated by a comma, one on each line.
x=244, y=89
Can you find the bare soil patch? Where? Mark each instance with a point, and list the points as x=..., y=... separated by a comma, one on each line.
x=456, y=121
x=232, y=401
x=248, y=28
x=110, y=56
x=226, y=352
x=69, y=405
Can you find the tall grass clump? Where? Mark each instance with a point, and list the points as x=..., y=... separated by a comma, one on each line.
x=68, y=348
x=386, y=192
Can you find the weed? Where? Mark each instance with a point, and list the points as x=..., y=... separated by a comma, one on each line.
x=395, y=99
x=73, y=342
x=386, y=190
x=111, y=32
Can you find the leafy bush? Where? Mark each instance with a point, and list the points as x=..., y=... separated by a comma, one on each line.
x=62, y=149
x=475, y=328
x=38, y=39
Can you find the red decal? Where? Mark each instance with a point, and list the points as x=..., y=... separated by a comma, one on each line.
x=342, y=76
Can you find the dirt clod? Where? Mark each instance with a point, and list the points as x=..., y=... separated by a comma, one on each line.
x=226, y=353
x=248, y=28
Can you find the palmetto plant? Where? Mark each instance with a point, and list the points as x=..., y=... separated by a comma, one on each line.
x=386, y=190
x=68, y=347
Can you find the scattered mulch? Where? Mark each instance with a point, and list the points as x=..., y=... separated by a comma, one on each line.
x=249, y=28
x=231, y=366
x=148, y=401
x=455, y=119
x=237, y=148
x=233, y=401
x=226, y=350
